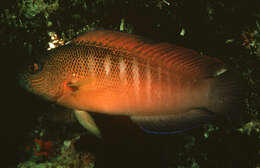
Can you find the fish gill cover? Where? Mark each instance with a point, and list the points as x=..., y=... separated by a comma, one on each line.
x=228, y=30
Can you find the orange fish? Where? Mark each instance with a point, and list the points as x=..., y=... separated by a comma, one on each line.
x=162, y=87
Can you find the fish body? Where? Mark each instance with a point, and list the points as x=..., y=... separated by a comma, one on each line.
x=161, y=86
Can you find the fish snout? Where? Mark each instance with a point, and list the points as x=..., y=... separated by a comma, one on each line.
x=22, y=81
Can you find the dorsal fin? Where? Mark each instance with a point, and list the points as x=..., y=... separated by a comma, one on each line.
x=172, y=57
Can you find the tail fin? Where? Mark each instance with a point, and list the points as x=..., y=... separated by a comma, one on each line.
x=227, y=96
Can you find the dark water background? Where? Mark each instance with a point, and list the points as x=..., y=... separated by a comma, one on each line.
x=227, y=30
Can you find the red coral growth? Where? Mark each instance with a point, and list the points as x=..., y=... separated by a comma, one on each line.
x=45, y=148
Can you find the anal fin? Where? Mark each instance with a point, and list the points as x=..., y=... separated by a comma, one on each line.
x=173, y=123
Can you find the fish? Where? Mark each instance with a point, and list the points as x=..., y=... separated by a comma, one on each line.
x=163, y=88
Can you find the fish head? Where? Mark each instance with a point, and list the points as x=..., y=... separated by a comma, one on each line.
x=42, y=78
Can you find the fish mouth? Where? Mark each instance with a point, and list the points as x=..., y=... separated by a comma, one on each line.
x=29, y=84
x=21, y=78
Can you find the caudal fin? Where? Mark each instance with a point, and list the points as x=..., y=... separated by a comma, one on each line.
x=227, y=95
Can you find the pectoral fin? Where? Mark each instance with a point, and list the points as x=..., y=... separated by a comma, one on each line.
x=82, y=84
x=86, y=120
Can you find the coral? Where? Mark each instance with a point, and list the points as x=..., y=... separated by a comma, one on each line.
x=67, y=157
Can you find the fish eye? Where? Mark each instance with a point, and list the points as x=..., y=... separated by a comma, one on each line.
x=34, y=68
